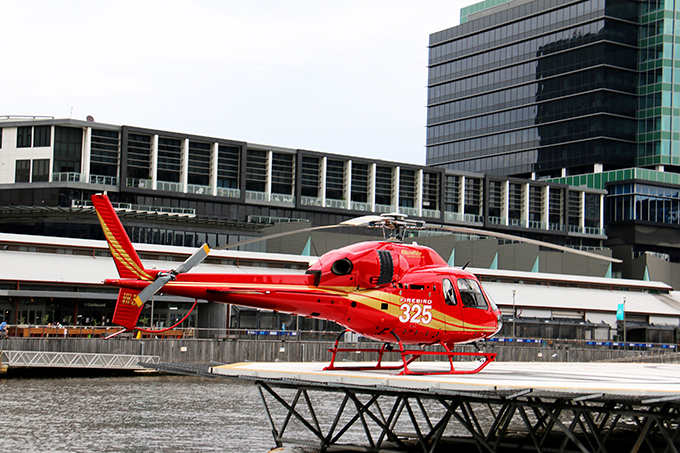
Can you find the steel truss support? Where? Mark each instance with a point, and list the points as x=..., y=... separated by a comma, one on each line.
x=337, y=417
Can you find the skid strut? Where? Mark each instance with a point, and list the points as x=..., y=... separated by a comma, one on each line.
x=408, y=356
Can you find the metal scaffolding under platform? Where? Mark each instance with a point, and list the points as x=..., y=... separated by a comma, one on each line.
x=542, y=407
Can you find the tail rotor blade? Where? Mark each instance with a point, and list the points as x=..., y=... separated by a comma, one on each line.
x=153, y=288
x=195, y=259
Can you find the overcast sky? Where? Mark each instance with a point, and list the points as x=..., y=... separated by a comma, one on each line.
x=346, y=77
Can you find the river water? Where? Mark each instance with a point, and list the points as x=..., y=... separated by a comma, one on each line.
x=136, y=413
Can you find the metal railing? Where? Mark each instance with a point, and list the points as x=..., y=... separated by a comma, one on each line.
x=66, y=177
x=138, y=208
x=413, y=212
x=517, y=222
x=282, y=198
x=256, y=196
x=310, y=201
x=139, y=182
x=496, y=220
x=338, y=204
x=169, y=186
x=199, y=189
x=228, y=192
x=432, y=213
x=360, y=206
x=453, y=216
x=537, y=224
x=104, y=180
x=474, y=218
x=384, y=208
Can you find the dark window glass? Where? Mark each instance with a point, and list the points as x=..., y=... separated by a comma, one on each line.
x=360, y=182
x=24, y=136
x=68, y=143
x=139, y=156
x=41, y=170
x=228, y=164
x=335, y=179
x=256, y=170
x=169, y=160
x=282, y=173
x=199, y=163
x=22, y=171
x=42, y=136
x=104, y=149
x=309, y=183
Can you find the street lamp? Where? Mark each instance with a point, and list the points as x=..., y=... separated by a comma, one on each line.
x=514, y=313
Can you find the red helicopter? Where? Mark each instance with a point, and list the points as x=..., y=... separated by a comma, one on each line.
x=395, y=293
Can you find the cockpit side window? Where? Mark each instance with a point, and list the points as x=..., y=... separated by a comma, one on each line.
x=449, y=292
x=471, y=294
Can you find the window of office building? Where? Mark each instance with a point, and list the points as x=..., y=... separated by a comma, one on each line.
x=515, y=203
x=360, y=180
x=68, y=145
x=41, y=170
x=407, y=188
x=535, y=203
x=383, y=185
x=22, y=172
x=473, y=196
x=24, y=136
x=139, y=156
x=574, y=208
x=556, y=208
x=104, y=151
x=169, y=159
x=199, y=163
x=431, y=191
x=256, y=170
x=495, y=199
x=452, y=193
x=335, y=179
x=42, y=136
x=309, y=177
x=228, y=164
x=592, y=210
x=283, y=170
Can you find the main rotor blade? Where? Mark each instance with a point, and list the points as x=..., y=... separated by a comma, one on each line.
x=153, y=288
x=274, y=236
x=464, y=230
x=196, y=258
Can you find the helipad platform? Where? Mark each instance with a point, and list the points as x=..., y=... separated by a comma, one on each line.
x=538, y=407
x=635, y=380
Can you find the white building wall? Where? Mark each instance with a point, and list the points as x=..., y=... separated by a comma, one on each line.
x=9, y=154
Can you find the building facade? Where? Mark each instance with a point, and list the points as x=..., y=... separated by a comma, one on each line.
x=577, y=92
x=184, y=190
x=536, y=88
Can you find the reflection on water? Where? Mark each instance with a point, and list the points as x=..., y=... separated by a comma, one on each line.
x=140, y=414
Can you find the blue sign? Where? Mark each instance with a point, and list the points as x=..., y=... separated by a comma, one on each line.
x=620, y=313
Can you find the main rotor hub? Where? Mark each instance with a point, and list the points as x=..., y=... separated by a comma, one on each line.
x=395, y=225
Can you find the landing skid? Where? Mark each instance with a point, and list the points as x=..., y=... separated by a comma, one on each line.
x=407, y=357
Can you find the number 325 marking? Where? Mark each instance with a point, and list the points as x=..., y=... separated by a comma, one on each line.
x=415, y=313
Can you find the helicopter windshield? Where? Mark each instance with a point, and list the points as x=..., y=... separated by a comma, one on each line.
x=471, y=294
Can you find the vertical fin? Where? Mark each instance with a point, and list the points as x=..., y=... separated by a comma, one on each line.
x=124, y=255
x=127, y=311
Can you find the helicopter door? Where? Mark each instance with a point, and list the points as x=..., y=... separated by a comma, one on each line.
x=474, y=306
x=451, y=307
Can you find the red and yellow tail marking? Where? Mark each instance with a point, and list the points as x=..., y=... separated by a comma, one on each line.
x=124, y=255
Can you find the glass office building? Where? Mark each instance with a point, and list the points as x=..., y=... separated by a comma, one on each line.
x=544, y=88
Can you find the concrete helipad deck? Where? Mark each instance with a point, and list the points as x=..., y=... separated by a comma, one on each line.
x=597, y=379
